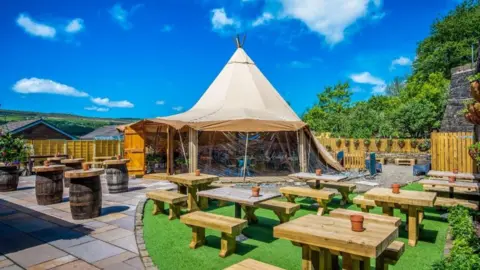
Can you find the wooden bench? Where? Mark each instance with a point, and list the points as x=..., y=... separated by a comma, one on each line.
x=283, y=210
x=228, y=226
x=405, y=161
x=343, y=188
x=363, y=203
x=174, y=199
x=251, y=264
x=321, y=196
x=394, y=251
x=451, y=202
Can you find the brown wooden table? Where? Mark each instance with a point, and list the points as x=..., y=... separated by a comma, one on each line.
x=411, y=201
x=469, y=186
x=303, y=176
x=103, y=158
x=191, y=184
x=468, y=176
x=323, y=239
x=49, y=184
x=85, y=193
x=241, y=197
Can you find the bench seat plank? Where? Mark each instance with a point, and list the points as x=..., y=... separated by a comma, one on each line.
x=215, y=222
x=251, y=264
x=363, y=203
x=276, y=205
x=451, y=202
x=321, y=196
x=167, y=196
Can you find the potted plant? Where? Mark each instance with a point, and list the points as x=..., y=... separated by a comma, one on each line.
x=318, y=172
x=401, y=143
x=357, y=223
x=474, y=152
x=390, y=142
x=396, y=188
x=347, y=143
x=356, y=143
x=338, y=142
x=475, y=86
x=367, y=142
x=424, y=146
x=13, y=151
x=378, y=143
x=413, y=143
x=255, y=191
x=197, y=172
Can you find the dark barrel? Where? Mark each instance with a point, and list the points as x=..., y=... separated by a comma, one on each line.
x=71, y=165
x=8, y=178
x=49, y=186
x=85, y=197
x=117, y=177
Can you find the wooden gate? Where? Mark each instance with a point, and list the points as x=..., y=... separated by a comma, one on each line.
x=450, y=151
x=134, y=149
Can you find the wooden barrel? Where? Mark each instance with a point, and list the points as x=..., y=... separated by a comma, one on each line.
x=49, y=184
x=117, y=175
x=70, y=165
x=8, y=178
x=85, y=193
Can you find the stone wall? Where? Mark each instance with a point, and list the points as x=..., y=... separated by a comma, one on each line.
x=421, y=158
x=453, y=121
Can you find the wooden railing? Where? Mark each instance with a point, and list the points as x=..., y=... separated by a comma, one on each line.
x=384, y=145
x=78, y=148
x=450, y=151
x=354, y=161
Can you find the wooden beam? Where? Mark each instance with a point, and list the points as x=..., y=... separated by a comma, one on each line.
x=192, y=150
x=302, y=153
x=170, y=161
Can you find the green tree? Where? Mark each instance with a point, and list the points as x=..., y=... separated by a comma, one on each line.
x=416, y=119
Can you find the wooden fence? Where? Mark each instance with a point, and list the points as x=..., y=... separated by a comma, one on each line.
x=349, y=146
x=77, y=149
x=354, y=161
x=450, y=150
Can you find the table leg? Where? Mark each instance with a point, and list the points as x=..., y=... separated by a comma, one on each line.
x=192, y=199
x=450, y=194
x=412, y=226
x=380, y=263
x=182, y=189
x=306, y=258
x=203, y=201
x=250, y=214
x=387, y=210
x=238, y=210
x=347, y=262
x=322, y=207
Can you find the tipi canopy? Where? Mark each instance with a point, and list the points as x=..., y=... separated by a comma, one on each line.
x=239, y=99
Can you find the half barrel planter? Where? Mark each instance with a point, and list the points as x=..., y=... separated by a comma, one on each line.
x=8, y=178
x=49, y=184
x=85, y=193
x=55, y=160
x=117, y=175
x=70, y=165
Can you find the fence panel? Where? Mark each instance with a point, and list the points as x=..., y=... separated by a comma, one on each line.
x=77, y=149
x=354, y=161
x=450, y=151
x=47, y=147
x=357, y=146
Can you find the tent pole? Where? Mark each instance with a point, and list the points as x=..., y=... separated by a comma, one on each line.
x=192, y=149
x=245, y=159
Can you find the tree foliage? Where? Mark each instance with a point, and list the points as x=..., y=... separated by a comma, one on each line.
x=413, y=106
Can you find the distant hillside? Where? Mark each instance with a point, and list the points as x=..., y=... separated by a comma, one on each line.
x=73, y=124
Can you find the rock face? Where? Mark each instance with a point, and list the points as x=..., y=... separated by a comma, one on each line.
x=453, y=121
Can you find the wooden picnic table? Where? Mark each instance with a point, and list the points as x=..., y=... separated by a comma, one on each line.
x=323, y=239
x=191, y=183
x=468, y=176
x=303, y=176
x=411, y=201
x=31, y=160
x=469, y=186
x=241, y=197
x=103, y=158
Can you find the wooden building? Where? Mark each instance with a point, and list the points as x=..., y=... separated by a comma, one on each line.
x=36, y=129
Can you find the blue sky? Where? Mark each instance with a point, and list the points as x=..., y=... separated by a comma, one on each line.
x=148, y=58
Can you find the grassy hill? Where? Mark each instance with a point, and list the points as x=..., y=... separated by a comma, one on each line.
x=73, y=124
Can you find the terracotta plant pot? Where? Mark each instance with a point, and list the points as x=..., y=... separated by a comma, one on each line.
x=318, y=172
x=396, y=188
x=46, y=163
x=119, y=157
x=475, y=90
x=197, y=172
x=357, y=223
x=85, y=166
x=455, y=170
x=452, y=179
x=255, y=191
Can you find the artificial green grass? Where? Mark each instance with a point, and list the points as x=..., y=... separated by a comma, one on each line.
x=167, y=241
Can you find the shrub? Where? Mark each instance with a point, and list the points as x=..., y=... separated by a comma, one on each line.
x=12, y=150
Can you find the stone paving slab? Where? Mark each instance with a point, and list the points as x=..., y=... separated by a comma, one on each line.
x=46, y=237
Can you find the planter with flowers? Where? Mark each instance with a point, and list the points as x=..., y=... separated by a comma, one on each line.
x=338, y=142
x=474, y=152
x=475, y=86
x=472, y=112
x=401, y=143
x=413, y=143
x=424, y=146
x=378, y=143
x=367, y=143
x=356, y=143
x=13, y=152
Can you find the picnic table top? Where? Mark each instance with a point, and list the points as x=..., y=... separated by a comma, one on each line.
x=405, y=197
x=47, y=156
x=116, y=161
x=57, y=158
x=103, y=157
x=84, y=174
x=323, y=177
x=72, y=160
x=50, y=168
x=241, y=196
x=470, y=176
x=190, y=179
x=445, y=183
x=336, y=234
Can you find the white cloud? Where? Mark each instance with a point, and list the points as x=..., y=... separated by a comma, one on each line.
x=178, y=108
x=167, y=28
x=35, y=85
x=401, y=61
x=379, y=84
x=328, y=18
x=263, y=19
x=220, y=20
x=122, y=16
x=35, y=28
x=97, y=109
x=74, y=26
x=112, y=104
x=299, y=64
x=160, y=102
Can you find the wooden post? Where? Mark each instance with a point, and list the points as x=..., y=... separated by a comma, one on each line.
x=170, y=134
x=94, y=149
x=302, y=154
x=192, y=150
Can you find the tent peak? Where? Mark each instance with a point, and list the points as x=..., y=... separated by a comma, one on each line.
x=240, y=42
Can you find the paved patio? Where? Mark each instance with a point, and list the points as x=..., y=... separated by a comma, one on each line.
x=46, y=237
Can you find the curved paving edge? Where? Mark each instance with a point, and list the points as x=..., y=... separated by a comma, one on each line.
x=142, y=249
